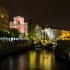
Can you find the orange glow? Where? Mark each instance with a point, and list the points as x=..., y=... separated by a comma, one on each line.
x=65, y=35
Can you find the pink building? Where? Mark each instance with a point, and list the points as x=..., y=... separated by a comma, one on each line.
x=19, y=24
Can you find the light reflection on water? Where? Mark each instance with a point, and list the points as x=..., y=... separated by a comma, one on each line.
x=21, y=63
x=43, y=59
x=10, y=63
x=31, y=60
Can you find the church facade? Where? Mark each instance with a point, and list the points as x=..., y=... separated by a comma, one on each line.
x=19, y=24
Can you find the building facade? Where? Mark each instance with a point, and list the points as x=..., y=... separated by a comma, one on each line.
x=65, y=35
x=19, y=24
x=4, y=18
x=48, y=33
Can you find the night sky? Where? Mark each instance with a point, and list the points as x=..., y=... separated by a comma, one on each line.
x=42, y=12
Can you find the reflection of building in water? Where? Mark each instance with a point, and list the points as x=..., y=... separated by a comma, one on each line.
x=19, y=24
x=45, y=60
x=42, y=60
x=21, y=63
x=32, y=59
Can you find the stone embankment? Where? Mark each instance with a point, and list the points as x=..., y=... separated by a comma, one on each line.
x=9, y=47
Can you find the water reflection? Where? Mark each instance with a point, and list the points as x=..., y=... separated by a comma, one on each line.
x=31, y=60
x=21, y=63
x=10, y=64
x=40, y=60
x=45, y=60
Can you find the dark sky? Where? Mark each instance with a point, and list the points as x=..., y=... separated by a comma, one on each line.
x=42, y=12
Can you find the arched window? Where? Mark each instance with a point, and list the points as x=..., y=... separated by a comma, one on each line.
x=18, y=22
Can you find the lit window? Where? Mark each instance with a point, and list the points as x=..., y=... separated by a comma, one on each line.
x=2, y=16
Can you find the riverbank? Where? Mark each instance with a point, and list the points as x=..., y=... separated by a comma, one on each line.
x=7, y=47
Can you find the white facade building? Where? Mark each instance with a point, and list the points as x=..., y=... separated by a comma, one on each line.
x=19, y=24
x=50, y=33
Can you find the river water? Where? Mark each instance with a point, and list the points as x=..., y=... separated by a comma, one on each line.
x=32, y=60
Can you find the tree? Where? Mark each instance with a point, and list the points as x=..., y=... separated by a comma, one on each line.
x=3, y=33
x=14, y=33
x=46, y=35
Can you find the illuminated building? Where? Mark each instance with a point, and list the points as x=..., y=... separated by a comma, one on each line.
x=4, y=18
x=19, y=24
x=38, y=32
x=65, y=35
x=49, y=32
x=55, y=34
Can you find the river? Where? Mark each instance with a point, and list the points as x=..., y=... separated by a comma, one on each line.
x=32, y=60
